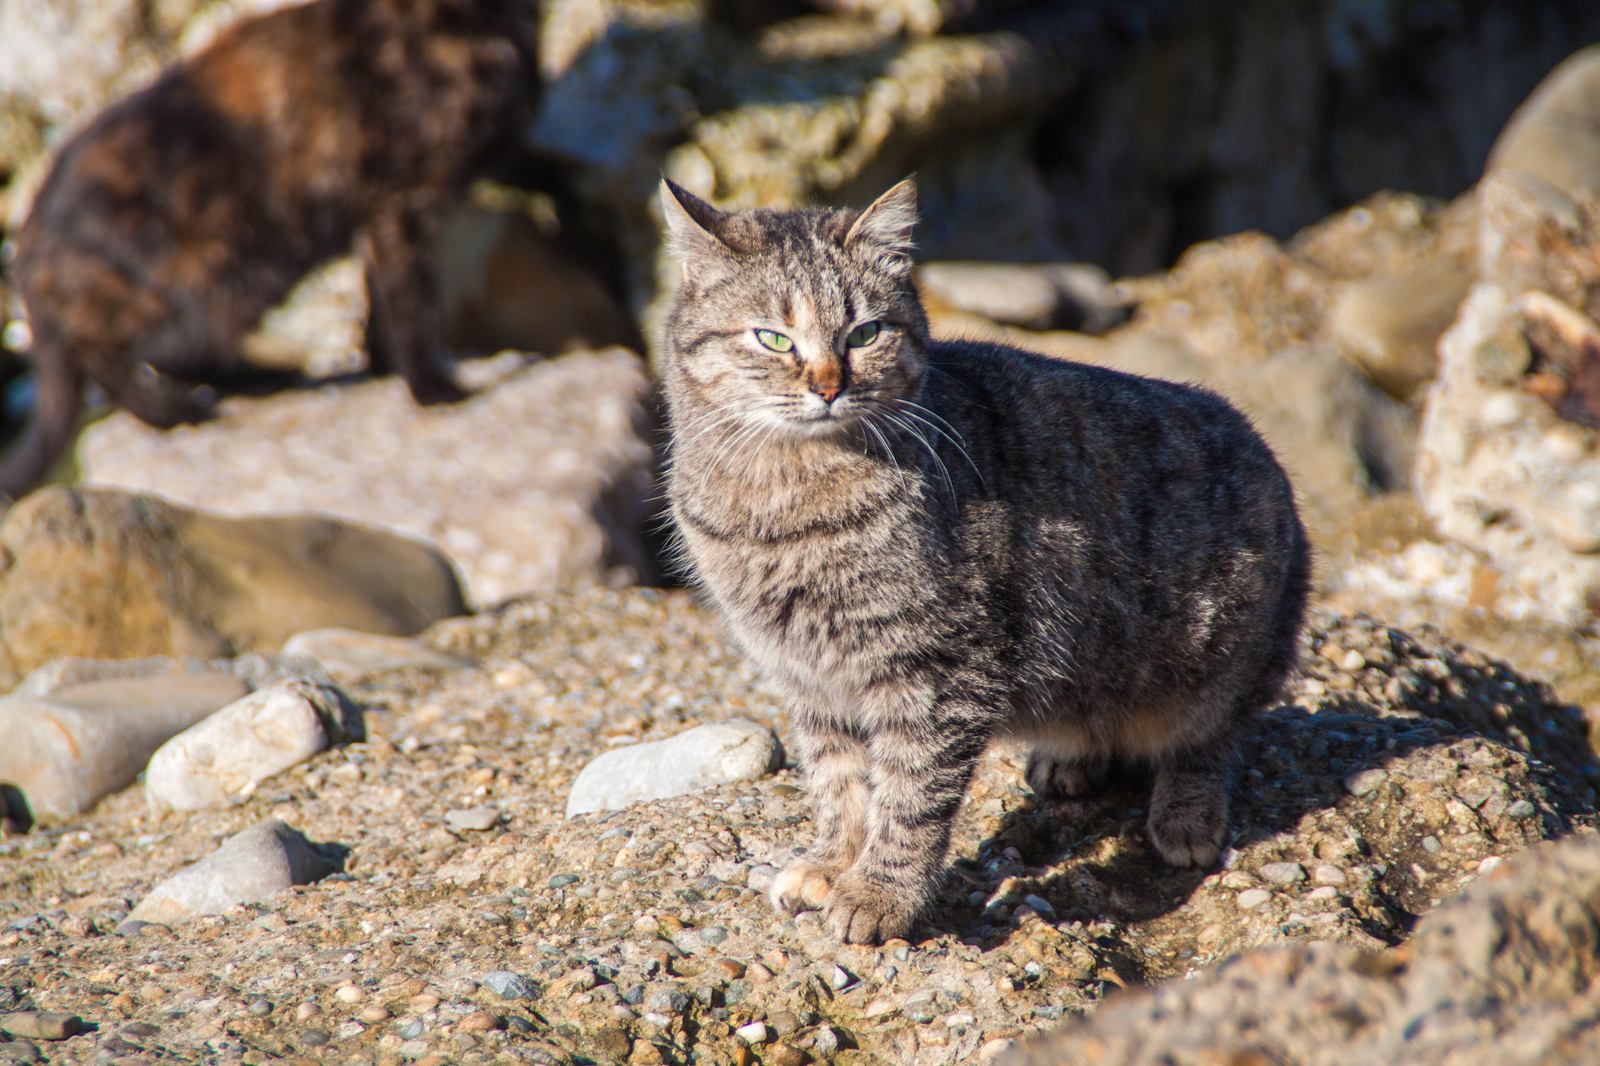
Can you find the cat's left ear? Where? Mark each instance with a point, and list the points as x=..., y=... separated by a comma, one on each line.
x=887, y=223
x=691, y=229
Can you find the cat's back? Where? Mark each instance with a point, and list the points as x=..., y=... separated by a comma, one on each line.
x=1055, y=423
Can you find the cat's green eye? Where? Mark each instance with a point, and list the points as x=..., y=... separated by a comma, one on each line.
x=775, y=341
x=862, y=335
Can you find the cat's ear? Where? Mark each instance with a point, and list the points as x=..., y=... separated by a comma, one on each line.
x=691, y=230
x=887, y=223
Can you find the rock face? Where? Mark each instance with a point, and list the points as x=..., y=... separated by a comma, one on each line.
x=703, y=757
x=1507, y=461
x=104, y=574
x=1497, y=975
x=250, y=866
x=248, y=741
x=543, y=478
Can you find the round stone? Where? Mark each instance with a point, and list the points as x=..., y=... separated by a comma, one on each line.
x=1251, y=898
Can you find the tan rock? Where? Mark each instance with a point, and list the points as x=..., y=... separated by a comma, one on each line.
x=1555, y=134
x=1390, y=326
x=545, y=477
x=68, y=745
x=108, y=575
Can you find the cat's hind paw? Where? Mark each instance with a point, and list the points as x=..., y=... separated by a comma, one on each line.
x=801, y=887
x=1059, y=777
x=861, y=912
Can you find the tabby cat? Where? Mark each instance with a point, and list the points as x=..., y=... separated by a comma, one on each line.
x=935, y=545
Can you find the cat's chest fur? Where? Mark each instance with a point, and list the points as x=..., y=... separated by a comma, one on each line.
x=821, y=560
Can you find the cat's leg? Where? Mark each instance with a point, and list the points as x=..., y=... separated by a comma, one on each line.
x=1055, y=775
x=403, y=331
x=1189, y=803
x=921, y=765
x=836, y=763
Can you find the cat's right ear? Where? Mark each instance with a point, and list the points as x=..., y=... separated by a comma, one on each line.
x=691, y=233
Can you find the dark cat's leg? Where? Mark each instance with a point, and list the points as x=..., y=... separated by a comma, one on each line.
x=1189, y=803
x=1055, y=776
x=402, y=317
x=836, y=763
x=154, y=397
x=921, y=765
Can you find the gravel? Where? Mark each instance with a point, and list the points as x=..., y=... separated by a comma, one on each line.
x=643, y=936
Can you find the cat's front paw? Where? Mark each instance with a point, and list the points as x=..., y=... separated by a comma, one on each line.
x=801, y=887
x=1188, y=836
x=860, y=911
x=1061, y=777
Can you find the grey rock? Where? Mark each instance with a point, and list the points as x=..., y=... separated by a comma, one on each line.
x=73, y=743
x=1365, y=781
x=250, y=866
x=702, y=757
x=350, y=656
x=667, y=1001
x=477, y=818
x=1282, y=873
x=1521, y=809
x=542, y=478
x=233, y=750
x=508, y=984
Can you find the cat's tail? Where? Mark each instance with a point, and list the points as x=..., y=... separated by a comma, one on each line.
x=58, y=396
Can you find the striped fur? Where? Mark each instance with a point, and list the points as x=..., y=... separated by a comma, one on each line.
x=932, y=546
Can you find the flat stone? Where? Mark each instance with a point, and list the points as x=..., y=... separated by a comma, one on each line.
x=708, y=755
x=246, y=742
x=754, y=1033
x=477, y=818
x=1282, y=873
x=249, y=867
x=41, y=1025
x=351, y=656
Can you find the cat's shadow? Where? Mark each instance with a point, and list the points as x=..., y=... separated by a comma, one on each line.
x=1294, y=763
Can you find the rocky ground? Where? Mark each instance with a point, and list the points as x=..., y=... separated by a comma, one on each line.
x=1404, y=769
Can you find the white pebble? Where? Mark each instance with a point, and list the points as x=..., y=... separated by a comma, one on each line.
x=754, y=1033
x=1251, y=898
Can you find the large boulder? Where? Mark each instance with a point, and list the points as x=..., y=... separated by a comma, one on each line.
x=545, y=477
x=108, y=575
x=1507, y=463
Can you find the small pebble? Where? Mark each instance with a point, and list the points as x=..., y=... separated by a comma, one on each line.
x=1282, y=873
x=1521, y=809
x=1251, y=898
x=349, y=994
x=956, y=1021
x=374, y=1014
x=306, y=1011
x=509, y=985
x=41, y=1024
x=839, y=978
x=1431, y=845
x=1328, y=874
x=563, y=880
x=1040, y=904
x=754, y=1033
x=477, y=819
x=1359, y=784
x=260, y=1008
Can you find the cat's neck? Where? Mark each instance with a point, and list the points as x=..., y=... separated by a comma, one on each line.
x=768, y=481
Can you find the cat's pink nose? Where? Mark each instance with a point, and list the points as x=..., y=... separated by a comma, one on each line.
x=828, y=392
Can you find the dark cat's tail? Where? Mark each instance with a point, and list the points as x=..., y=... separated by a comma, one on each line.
x=50, y=431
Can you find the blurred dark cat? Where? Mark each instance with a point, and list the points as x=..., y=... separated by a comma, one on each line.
x=179, y=215
x=935, y=545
